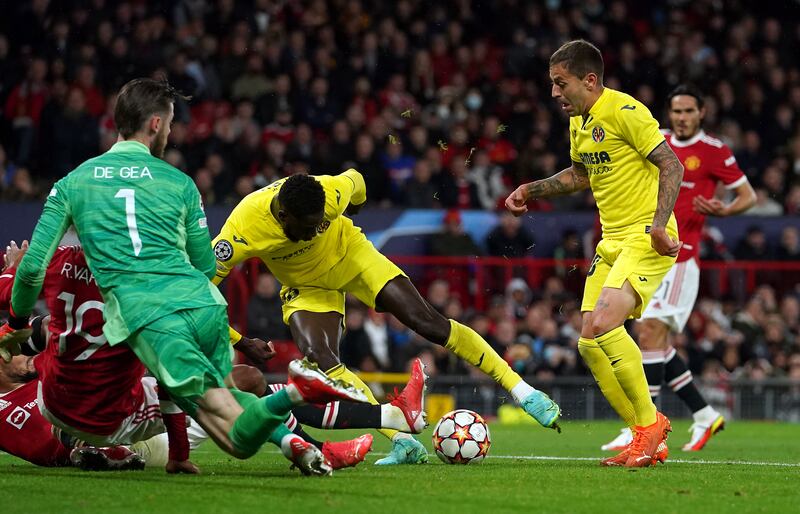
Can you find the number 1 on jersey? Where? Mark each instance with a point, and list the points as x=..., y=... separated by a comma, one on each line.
x=130, y=212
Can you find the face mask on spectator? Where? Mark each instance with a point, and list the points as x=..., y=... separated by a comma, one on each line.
x=473, y=102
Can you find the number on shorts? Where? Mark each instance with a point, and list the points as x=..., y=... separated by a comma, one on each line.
x=595, y=260
x=662, y=291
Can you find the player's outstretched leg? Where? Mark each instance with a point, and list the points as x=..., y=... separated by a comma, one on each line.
x=317, y=336
x=241, y=423
x=407, y=450
x=405, y=412
x=401, y=298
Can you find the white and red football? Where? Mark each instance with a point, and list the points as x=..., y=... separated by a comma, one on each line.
x=461, y=437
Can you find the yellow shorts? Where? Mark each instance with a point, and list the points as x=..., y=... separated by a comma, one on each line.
x=362, y=272
x=631, y=259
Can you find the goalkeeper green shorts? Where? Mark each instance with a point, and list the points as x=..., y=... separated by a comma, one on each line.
x=188, y=352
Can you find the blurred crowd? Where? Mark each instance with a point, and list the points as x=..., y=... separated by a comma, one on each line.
x=536, y=330
x=439, y=104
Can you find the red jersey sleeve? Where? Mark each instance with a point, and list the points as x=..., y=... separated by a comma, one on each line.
x=6, y=285
x=727, y=170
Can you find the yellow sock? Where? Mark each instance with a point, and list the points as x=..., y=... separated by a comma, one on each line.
x=342, y=373
x=598, y=363
x=467, y=344
x=626, y=361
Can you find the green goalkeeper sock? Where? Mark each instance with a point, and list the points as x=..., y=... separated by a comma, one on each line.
x=260, y=419
x=243, y=398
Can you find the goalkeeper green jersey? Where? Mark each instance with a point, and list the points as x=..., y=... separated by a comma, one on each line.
x=143, y=230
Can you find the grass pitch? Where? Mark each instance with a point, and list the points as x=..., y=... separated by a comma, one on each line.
x=750, y=467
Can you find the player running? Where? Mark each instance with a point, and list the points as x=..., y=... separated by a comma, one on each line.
x=144, y=232
x=707, y=162
x=298, y=227
x=616, y=150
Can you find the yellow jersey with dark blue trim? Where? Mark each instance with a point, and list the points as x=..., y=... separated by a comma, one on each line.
x=251, y=230
x=613, y=142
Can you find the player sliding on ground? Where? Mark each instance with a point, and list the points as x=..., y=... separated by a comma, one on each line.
x=90, y=391
x=98, y=394
x=616, y=150
x=298, y=228
x=708, y=162
x=144, y=233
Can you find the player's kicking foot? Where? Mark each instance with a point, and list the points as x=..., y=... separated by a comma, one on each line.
x=622, y=458
x=345, y=454
x=701, y=433
x=622, y=441
x=308, y=458
x=646, y=442
x=113, y=458
x=412, y=399
x=316, y=387
x=544, y=410
x=405, y=450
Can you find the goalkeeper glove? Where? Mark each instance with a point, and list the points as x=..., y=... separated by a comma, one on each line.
x=12, y=334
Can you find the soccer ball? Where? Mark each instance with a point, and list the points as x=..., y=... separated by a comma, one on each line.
x=461, y=437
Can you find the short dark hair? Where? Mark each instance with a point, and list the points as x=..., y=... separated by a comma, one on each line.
x=580, y=57
x=301, y=195
x=688, y=90
x=138, y=100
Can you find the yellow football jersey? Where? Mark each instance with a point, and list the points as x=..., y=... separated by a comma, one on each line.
x=252, y=231
x=613, y=142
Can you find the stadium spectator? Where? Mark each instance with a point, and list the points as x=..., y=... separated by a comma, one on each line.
x=420, y=191
x=754, y=246
x=509, y=238
x=789, y=246
x=488, y=180
x=264, y=318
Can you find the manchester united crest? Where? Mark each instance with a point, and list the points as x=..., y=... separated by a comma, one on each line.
x=692, y=162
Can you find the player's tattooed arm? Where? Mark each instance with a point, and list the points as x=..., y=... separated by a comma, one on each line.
x=670, y=175
x=575, y=178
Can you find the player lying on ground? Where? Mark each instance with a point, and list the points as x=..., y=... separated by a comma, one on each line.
x=298, y=227
x=25, y=433
x=145, y=236
x=29, y=436
x=104, y=388
x=616, y=150
x=94, y=392
x=708, y=162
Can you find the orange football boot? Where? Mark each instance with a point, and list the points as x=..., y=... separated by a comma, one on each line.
x=645, y=446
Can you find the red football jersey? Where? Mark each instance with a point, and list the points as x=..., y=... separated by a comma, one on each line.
x=86, y=383
x=24, y=433
x=706, y=162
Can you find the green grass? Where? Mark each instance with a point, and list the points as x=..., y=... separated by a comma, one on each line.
x=264, y=484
